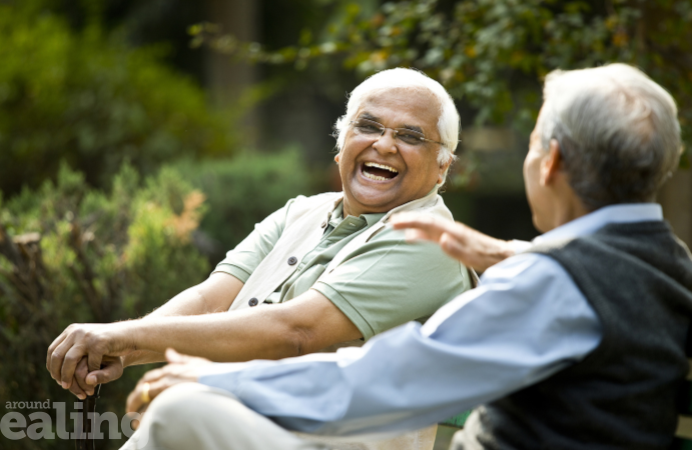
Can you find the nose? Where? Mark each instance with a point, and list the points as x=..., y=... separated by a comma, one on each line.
x=386, y=142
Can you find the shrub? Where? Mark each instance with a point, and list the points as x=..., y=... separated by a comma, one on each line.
x=87, y=98
x=69, y=253
x=244, y=190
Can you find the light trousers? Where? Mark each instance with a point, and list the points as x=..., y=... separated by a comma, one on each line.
x=191, y=416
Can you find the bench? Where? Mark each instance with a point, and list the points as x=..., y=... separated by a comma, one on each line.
x=683, y=433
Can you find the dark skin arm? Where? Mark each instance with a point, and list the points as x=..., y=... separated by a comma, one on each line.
x=213, y=295
x=306, y=324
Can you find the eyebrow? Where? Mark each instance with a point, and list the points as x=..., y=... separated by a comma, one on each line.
x=367, y=115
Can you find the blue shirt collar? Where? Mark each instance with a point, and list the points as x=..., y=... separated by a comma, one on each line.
x=592, y=222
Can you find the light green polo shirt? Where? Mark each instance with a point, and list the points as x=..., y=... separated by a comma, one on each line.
x=387, y=283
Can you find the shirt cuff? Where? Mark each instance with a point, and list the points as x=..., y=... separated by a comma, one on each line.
x=234, y=270
x=346, y=308
x=519, y=246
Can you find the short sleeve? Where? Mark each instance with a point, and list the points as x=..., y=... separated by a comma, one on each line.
x=388, y=281
x=246, y=256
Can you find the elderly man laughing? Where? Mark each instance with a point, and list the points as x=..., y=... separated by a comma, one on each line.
x=323, y=271
x=577, y=343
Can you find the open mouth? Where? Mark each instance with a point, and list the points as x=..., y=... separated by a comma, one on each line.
x=378, y=172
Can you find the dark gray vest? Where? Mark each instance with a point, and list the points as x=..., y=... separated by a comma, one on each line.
x=638, y=279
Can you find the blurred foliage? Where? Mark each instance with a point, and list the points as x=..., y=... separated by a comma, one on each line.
x=242, y=192
x=85, y=97
x=491, y=54
x=69, y=253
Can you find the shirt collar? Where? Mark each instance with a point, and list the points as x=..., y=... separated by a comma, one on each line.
x=592, y=222
x=337, y=215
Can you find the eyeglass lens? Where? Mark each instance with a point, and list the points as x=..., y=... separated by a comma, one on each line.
x=366, y=127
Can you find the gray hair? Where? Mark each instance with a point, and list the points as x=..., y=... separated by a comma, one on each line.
x=447, y=124
x=618, y=132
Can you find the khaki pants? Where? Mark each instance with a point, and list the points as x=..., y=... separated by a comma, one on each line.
x=192, y=416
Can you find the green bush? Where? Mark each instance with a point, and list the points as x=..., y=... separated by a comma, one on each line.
x=87, y=98
x=69, y=253
x=244, y=190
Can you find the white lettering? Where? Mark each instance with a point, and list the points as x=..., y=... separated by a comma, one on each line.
x=45, y=425
x=98, y=419
x=6, y=426
x=78, y=426
x=60, y=420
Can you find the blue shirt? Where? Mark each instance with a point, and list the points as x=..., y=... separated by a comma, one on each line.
x=526, y=321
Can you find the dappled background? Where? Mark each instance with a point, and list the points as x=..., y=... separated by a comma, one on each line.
x=141, y=140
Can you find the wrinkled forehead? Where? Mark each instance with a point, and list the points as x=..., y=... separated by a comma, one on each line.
x=404, y=97
x=414, y=105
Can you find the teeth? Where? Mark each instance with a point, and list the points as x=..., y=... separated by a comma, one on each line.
x=374, y=177
x=381, y=166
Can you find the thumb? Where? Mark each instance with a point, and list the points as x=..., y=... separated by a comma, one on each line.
x=414, y=234
x=174, y=357
x=104, y=375
x=452, y=247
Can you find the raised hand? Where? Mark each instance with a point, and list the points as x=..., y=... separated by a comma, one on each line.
x=473, y=248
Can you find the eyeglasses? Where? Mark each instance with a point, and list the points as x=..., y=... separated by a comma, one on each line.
x=371, y=129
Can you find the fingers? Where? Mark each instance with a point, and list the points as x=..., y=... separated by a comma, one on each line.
x=450, y=245
x=413, y=234
x=426, y=226
x=94, y=359
x=135, y=401
x=52, y=348
x=111, y=369
x=77, y=390
x=174, y=357
x=182, y=369
x=57, y=360
x=79, y=382
x=69, y=364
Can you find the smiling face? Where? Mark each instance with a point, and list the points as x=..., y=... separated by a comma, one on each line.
x=381, y=174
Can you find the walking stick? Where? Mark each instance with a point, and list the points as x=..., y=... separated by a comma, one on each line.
x=84, y=441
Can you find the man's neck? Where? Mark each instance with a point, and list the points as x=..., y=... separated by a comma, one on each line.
x=566, y=208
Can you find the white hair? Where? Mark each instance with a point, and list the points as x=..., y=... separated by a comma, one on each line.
x=617, y=129
x=447, y=124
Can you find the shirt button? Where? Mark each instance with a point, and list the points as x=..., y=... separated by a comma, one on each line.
x=253, y=302
x=292, y=261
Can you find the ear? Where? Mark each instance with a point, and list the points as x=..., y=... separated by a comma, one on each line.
x=443, y=170
x=551, y=166
x=336, y=158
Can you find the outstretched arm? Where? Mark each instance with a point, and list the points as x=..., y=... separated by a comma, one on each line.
x=213, y=295
x=216, y=294
x=473, y=248
x=495, y=339
x=306, y=324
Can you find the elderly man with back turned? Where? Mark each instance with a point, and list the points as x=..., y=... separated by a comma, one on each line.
x=575, y=343
x=322, y=272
